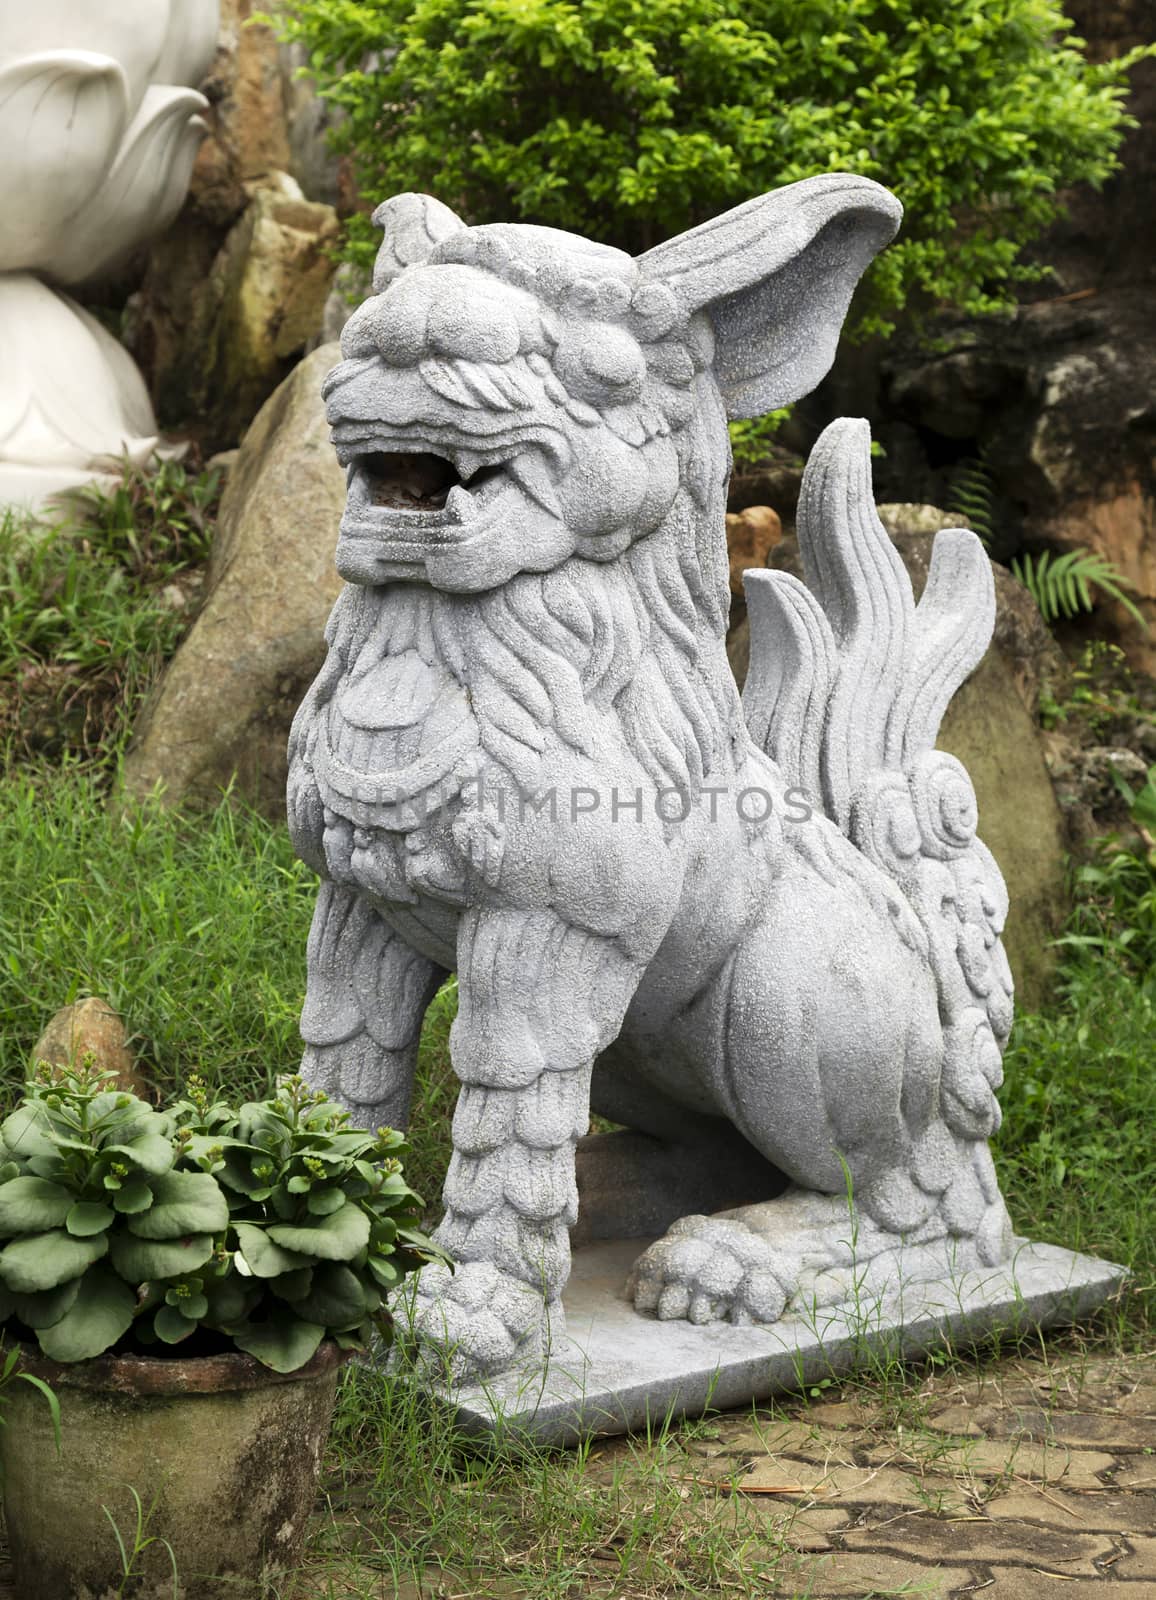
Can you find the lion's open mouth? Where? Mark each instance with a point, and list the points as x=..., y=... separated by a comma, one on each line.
x=412, y=480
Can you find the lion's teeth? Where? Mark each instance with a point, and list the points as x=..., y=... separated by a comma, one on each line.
x=531, y=471
x=458, y=502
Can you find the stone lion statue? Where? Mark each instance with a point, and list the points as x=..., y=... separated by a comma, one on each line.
x=759, y=930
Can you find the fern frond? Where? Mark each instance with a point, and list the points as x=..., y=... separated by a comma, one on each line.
x=1061, y=585
x=970, y=494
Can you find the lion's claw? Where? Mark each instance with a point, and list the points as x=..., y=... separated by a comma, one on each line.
x=710, y=1269
x=476, y=1321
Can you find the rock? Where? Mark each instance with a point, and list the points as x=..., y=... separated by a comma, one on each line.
x=235, y=292
x=1084, y=778
x=90, y=1027
x=220, y=334
x=249, y=124
x=224, y=705
x=1057, y=402
x=264, y=118
x=223, y=462
x=992, y=727
x=751, y=536
x=267, y=294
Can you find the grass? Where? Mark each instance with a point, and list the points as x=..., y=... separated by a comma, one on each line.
x=414, y=1508
x=191, y=928
x=91, y=607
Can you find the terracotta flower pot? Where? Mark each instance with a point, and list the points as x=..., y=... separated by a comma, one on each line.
x=223, y=1453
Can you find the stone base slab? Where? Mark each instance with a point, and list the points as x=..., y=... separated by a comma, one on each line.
x=612, y=1371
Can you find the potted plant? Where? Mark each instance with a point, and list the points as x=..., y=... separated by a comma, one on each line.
x=188, y=1283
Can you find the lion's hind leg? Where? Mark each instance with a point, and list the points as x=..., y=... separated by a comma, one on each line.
x=838, y=1069
x=804, y=1250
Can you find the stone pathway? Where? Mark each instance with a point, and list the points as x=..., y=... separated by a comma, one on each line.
x=1032, y=1480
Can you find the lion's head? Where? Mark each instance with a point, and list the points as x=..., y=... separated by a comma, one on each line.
x=513, y=396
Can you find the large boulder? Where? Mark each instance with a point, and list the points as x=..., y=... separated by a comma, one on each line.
x=223, y=707
x=235, y=291
x=992, y=727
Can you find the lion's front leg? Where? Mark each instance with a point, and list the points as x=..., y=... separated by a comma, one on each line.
x=538, y=1000
x=366, y=997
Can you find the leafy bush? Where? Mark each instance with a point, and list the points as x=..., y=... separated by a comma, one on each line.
x=629, y=120
x=274, y=1225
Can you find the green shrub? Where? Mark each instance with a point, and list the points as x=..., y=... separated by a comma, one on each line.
x=272, y=1225
x=629, y=120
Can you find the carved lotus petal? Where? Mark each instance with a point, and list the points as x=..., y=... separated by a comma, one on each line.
x=71, y=393
x=62, y=117
x=144, y=190
x=190, y=44
x=133, y=33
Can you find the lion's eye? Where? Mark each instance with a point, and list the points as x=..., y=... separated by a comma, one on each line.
x=477, y=330
x=613, y=357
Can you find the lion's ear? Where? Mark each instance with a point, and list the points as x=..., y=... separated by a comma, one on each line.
x=775, y=276
x=413, y=224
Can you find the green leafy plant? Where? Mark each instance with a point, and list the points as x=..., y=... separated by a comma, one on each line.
x=1115, y=913
x=1062, y=585
x=752, y=437
x=1141, y=805
x=629, y=121
x=10, y=1373
x=273, y=1225
x=156, y=521
x=970, y=495
x=141, y=1541
x=321, y=1223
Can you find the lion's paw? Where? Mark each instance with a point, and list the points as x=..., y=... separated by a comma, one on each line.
x=481, y=837
x=476, y=1321
x=710, y=1269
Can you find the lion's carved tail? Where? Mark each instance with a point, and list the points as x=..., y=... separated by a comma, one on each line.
x=848, y=682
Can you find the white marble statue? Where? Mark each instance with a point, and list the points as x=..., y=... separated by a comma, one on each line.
x=98, y=132
x=526, y=759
